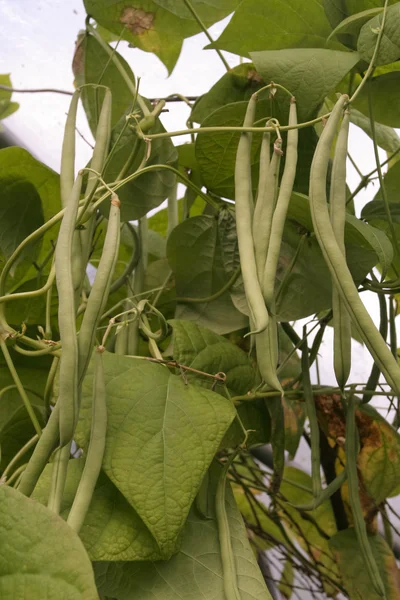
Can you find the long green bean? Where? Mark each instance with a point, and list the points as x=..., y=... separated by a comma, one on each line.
x=243, y=207
x=334, y=258
x=341, y=317
x=95, y=451
x=312, y=417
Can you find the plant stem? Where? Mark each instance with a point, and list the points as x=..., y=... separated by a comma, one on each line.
x=6, y=88
x=205, y=30
x=18, y=456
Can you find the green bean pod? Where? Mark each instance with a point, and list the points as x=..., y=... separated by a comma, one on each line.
x=312, y=417
x=334, y=258
x=58, y=478
x=95, y=451
x=279, y=215
x=227, y=558
x=100, y=290
x=103, y=135
x=68, y=382
x=341, y=318
x=264, y=210
x=267, y=354
x=244, y=208
x=325, y=494
x=351, y=447
x=373, y=378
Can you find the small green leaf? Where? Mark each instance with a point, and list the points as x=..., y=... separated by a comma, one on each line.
x=356, y=579
x=204, y=350
x=92, y=64
x=41, y=558
x=259, y=25
x=162, y=435
x=389, y=49
x=194, y=254
x=112, y=529
x=7, y=107
x=298, y=69
x=196, y=571
x=384, y=90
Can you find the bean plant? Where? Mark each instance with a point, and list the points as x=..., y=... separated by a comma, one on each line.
x=154, y=384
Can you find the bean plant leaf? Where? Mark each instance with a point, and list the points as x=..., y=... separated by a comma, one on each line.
x=386, y=137
x=258, y=25
x=355, y=576
x=204, y=350
x=377, y=240
x=194, y=254
x=235, y=86
x=158, y=26
x=255, y=420
x=17, y=165
x=112, y=530
x=17, y=431
x=384, y=90
x=357, y=6
x=195, y=572
x=389, y=48
x=91, y=64
x=375, y=210
x=335, y=11
x=287, y=580
x=299, y=70
x=7, y=107
x=149, y=190
x=353, y=24
x=162, y=435
x=41, y=558
x=294, y=418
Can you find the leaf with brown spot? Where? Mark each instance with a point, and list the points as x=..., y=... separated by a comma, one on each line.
x=356, y=580
x=295, y=416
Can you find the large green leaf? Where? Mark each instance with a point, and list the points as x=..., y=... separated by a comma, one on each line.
x=204, y=350
x=92, y=64
x=386, y=137
x=260, y=25
x=195, y=573
x=255, y=419
x=112, y=529
x=376, y=239
x=298, y=69
x=384, y=90
x=20, y=214
x=149, y=190
x=7, y=107
x=16, y=164
x=158, y=26
x=389, y=48
x=194, y=254
x=356, y=579
x=41, y=558
x=161, y=437
x=375, y=210
x=235, y=86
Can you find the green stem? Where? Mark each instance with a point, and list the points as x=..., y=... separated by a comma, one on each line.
x=138, y=284
x=129, y=83
x=20, y=387
x=220, y=292
x=16, y=474
x=21, y=452
x=205, y=30
x=173, y=217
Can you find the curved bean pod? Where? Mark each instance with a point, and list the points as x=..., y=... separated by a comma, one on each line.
x=101, y=287
x=95, y=451
x=68, y=384
x=243, y=208
x=351, y=446
x=325, y=494
x=341, y=318
x=334, y=258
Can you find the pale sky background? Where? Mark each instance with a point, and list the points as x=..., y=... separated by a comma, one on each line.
x=37, y=45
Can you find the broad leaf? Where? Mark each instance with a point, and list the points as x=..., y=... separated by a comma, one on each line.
x=376, y=239
x=255, y=420
x=375, y=210
x=260, y=25
x=389, y=48
x=17, y=431
x=204, y=350
x=356, y=579
x=41, y=558
x=386, y=137
x=16, y=164
x=335, y=11
x=158, y=26
x=194, y=254
x=195, y=573
x=112, y=529
x=92, y=64
x=353, y=24
x=294, y=417
x=162, y=435
x=149, y=190
x=235, y=86
x=298, y=70
x=384, y=90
